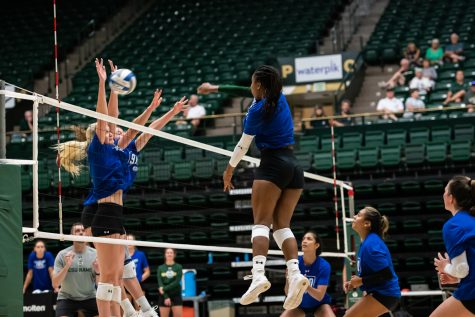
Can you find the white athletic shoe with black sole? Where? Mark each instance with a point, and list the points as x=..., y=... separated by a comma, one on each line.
x=298, y=284
x=259, y=285
x=150, y=313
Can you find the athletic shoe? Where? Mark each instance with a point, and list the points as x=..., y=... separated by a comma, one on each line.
x=297, y=286
x=259, y=285
x=136, y=314
x=150, y=313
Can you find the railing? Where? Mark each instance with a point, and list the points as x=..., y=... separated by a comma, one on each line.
x=355, y=78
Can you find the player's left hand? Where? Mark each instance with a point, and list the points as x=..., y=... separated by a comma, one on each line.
x=178, y=107
x=441, y=262
x=356, y=281
x=112, y=66
x=227, y=177
x=157, y=99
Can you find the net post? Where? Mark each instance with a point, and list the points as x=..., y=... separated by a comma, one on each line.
x=3, y=122
x=36, y=220
x=343, y=217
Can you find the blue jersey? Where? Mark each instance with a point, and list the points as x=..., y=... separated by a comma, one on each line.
x=40, y=268
x=106, y=167
x=132, y=163
x=373, y=256
x=318, y=273
x=141, y=263
x=271, y=133
x=459, y=236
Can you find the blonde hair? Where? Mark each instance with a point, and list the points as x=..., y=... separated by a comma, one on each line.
x=71, y=153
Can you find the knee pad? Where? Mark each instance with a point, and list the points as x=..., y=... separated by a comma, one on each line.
x=260, y=231
x=129, y=270
x=104, y=292
x=281, y=235
x=116, y=294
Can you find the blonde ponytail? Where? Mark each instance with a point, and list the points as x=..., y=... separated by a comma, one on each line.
x=71, y=153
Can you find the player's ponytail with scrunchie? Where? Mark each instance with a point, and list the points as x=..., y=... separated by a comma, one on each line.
x=379, y=224
x=271, y=82
x=462, y=188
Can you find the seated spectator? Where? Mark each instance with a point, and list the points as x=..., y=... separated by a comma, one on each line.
x=26, y=124
x=40, y=269
x=318, y=113
x=457, y=89
x=423, y=84
x=469, y=98
x=195, y=112
x=454, y=51
x=345, y=112
x=399, y=77
x=428, y=71
x=412, y=53
x=390, y=105
x=435, y=53
x=413, y=103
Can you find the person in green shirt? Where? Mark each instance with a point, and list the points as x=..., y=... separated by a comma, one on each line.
x=435, y=53
x=457, y=89
x=169, y=276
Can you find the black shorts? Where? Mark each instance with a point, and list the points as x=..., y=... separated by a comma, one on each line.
x=175, y=299
x=280, y=167
x=87, y=215
x=390, y=302
x=67, y=307
x=469, y=304
x=108, y=220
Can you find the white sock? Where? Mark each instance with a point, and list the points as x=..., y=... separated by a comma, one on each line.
x=144, y=304
x=126, y=305
x=258, y=264
x=293, y=266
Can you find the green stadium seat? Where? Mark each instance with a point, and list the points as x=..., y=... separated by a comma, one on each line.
x=198, y=256
x=197, y=200
x=198, y=236
x=419, y=135
x=365, y=189
x=464, y=132
x=346, y=159
x=411, y=208
x=352, y=140
x=390, y=156
x=143, y=174
x=374, y=138
x=162, y=172
x=172, y=155
x=155, y=237
x=415, y=154
x=154, y=222
x=183, y=171
x=318, y=212
x=414, y=263
x=132, y=223
x=436, y=153
x=218, y=220
x=218, y=199
x=322, y=161
x=222, y=236
x=434, y=206
x=460, y=151
x=327, y=142
x=204, y=169
x=386, y=188
x=413, y=244
x=396, y=137
x=220, y=167
x=44, y=180
x=436, y=244
x=412, y=225
x=26, y=181
x=153, y=203
x=308, y=143
x=175, y=201
x=305, y=159
x=371, y=57
x=433, y=186
x=176, y=237
x=368, y=158
x=388, y=209
x=193, y=153
x=318, y=193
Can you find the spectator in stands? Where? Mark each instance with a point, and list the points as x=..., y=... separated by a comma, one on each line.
x=457, y=266
x=376, y=276
x=318, y=113
x=345, y=112
x=399, y=77
x=469, y=98
x=316, y=300
x=413, y=54
x=195, y=112
x=454, y=51
x=435, y=53
x=390, y=105
x=142, y=268
x=169, y=276
x=423, y=84
x=26, y=124
x=40, y=269
x=457, y=89
x=75, y=270
x=428, y=71
x=413, y=103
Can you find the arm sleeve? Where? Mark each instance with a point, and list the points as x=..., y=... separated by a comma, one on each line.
x=324, y=278
x=58, y=263
x=239, y=91
x=176, y=282
x=241, y=149
x=458, y=266
x=378, y=277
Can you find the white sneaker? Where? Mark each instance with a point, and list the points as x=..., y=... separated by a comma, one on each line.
x=297, y=286
x=150, y=313
x=259, y=285
x=136, y=314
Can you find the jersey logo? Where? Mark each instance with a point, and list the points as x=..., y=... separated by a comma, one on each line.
x=311, y=280
x=133, y=159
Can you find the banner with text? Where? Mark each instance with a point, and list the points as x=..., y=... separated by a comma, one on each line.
x=318, y=68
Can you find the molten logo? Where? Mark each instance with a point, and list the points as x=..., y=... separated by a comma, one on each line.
x=34, y=308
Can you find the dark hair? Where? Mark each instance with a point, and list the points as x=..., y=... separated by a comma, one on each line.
x=413, y=90
x=38, y=241
x=74, y=225
x=462, y=188
x=271, y=82
x=165, y=250
x=379, y=224
x=317, y=240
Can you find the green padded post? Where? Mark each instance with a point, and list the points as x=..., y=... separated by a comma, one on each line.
x=353, y=241
x=11, y=257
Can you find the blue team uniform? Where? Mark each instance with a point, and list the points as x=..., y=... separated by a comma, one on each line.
x=373, y=256
x=318, y=273
x=40, y=268
x=106, y=163
x=132, y=163
x=141, y=263
x=459, y=236
x=272, y=133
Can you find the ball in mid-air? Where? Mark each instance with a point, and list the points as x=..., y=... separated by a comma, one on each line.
x=122, y=81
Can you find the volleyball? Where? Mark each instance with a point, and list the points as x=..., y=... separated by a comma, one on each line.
x=122, y=81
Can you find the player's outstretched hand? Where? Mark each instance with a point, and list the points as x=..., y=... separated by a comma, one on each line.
x=179, y=105
x=101, y=70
